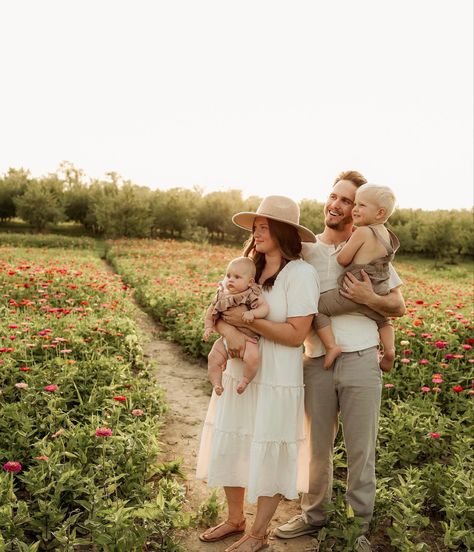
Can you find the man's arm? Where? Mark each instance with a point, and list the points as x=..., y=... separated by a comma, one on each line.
x=392, y=304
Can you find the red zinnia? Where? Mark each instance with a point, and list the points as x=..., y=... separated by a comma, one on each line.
x=12, y=466
x=51, y=388
x=434, y=435
x=458, y=388
x=120, y=398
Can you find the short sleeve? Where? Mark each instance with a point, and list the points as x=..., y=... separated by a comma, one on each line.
x=302, y=290
x=394, y=279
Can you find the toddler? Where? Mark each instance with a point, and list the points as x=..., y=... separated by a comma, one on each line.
x=371, y=248
x=237, y=288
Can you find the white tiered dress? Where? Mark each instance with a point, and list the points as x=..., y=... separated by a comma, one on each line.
x=257, y=440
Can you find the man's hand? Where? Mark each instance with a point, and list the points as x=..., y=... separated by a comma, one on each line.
x=359, y=291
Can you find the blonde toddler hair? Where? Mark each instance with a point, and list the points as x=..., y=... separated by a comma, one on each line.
x=382, y=196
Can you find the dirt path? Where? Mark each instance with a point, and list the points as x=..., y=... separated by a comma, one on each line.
x=184, y=382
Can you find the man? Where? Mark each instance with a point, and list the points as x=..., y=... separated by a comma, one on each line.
x=352, y=387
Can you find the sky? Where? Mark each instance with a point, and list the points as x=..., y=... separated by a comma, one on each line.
x=265, y=96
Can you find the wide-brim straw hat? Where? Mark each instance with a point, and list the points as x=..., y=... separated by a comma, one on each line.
x=279, y=208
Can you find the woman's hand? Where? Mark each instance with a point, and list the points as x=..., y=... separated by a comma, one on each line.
x=236, y=343
x=235, y=339
x=233, y=316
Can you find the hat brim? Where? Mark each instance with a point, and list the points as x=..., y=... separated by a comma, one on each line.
x=246, y=219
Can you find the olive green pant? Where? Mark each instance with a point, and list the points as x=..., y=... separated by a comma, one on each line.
x=351, y=389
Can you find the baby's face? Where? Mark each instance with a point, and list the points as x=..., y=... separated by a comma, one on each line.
x=237, y=278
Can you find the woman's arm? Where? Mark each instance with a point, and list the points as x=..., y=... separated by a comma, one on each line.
x=291, y=333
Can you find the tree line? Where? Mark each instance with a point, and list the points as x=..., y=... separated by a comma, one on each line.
x=113, y=207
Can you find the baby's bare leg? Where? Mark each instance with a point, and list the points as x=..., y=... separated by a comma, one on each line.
x=251, y=363
x=387, y=337
x=216, y=361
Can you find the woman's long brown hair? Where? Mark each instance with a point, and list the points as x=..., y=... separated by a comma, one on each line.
x=287, y=239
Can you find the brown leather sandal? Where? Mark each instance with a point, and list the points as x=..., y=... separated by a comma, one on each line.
x=262, y=542
x=235, y=529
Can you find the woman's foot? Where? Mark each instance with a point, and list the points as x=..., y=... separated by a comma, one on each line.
x=222, y=531
x=242, y=385
x=331, y=355
x=249, y=543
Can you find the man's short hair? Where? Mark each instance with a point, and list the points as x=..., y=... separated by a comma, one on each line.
x=354, y=176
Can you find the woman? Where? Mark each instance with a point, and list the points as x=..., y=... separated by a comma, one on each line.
x=255, y=440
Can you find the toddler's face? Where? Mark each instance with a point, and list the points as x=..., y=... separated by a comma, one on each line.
x=237, y=278
x=365, y=209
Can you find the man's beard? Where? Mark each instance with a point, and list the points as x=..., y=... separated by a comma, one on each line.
x=339, y=225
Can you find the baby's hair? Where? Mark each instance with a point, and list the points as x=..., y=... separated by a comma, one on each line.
x=382, y=196
x=247, y=263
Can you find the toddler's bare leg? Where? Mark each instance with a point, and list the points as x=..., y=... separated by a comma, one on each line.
x=332, y=348
x=251, y=363
x=387, y=337
x=216, y=361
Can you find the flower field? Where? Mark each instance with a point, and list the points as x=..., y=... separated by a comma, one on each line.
x=425, y=454
x=79, y=414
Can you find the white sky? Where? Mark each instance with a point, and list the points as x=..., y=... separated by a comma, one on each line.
x=266, y=96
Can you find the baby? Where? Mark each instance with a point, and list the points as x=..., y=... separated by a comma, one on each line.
x=371, y=248
x=237, y=288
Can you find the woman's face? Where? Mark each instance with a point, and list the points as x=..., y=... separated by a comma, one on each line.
x=264, y=242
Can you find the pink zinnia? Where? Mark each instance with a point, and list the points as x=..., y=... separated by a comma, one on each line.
x=12, y=466
x=103, y=432
x=51, y=388
x=137, y=412
x=21, y=385
x=42, y=458
x=467, y=347
x=424, y=361
x=120, y=398
x=405, y=361
x=425, y=389
x=437, y=379
x=440, y=344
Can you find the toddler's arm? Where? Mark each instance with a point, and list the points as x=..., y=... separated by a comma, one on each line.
x=260, y=311
x=355, y=242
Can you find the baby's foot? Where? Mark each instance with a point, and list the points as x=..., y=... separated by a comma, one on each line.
x=242, y=385
x=331, y=355
x=387, y=360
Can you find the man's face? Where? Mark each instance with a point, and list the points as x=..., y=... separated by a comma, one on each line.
x=338, y=207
